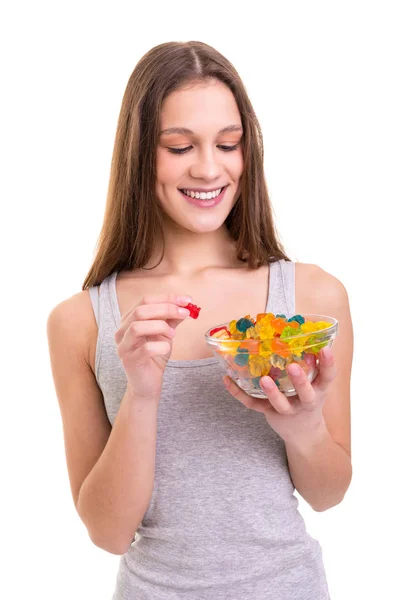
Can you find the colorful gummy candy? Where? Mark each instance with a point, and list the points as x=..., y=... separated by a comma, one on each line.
x=194, y=310
x=267, y=344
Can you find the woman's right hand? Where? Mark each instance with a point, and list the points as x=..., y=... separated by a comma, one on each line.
x=144, y=341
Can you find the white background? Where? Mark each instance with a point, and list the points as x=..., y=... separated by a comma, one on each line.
x=323, y=79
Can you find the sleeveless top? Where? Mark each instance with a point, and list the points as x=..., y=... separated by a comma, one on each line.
x=223, y=522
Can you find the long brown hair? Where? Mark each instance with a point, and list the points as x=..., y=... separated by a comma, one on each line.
x=133, y=218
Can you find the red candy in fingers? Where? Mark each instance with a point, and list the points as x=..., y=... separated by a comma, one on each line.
x=194, y=310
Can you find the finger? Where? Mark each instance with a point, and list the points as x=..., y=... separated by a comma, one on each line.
x=258, y=404
x=138, y=332
x=276, y=398
x=139, y=329
x=147, y=350
x=171, y=313
x=136, y=329
x=303, y=387
x=177, y=299
x=327, y=370
x=165, y=311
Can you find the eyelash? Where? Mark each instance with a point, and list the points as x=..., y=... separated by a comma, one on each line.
x=184, y=150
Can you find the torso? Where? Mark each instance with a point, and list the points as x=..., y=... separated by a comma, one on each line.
x=222, y=294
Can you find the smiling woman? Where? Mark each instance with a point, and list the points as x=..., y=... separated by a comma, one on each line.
x=191, y=482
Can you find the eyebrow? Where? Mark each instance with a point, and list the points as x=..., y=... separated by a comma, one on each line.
x=184, y=130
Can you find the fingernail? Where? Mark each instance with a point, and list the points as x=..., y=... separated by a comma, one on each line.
x=326, y=352
x=267, y=383
x=184, y=299
x=294, y=369
x=185, y=312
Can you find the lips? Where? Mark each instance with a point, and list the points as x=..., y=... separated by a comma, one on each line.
x=207, y=203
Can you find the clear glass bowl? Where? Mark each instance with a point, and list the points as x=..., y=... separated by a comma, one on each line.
x=246, y=361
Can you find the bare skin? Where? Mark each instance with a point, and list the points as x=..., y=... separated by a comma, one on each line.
x=219, y=292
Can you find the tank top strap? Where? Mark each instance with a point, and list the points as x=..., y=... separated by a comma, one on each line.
x=103, y=305
x=103, y=298
x=281, y=296
x=94, y=298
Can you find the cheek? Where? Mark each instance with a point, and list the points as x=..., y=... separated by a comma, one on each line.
x=168, y=167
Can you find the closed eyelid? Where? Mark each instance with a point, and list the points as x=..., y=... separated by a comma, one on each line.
x=219, y=143
x=224, y=148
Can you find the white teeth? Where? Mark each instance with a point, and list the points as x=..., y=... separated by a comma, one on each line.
x=203, y=195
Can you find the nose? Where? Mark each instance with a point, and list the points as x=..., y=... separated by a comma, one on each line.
x=206, y=166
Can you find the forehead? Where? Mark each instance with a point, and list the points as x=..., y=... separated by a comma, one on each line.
x=212, y=105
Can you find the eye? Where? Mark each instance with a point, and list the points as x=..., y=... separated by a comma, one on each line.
x=183, y=150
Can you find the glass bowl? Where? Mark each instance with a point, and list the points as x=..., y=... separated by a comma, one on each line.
x=247, y=360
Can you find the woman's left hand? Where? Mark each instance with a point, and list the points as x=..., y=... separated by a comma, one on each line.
x=295, y=417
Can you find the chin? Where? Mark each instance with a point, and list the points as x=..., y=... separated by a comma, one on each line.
x=204, y=224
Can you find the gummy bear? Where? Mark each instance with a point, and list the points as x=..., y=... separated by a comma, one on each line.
x=219, y=329
x=258, y=366
x=275, y=372
x=194, y=310
x=298, y=318
x=222, y=334
x=280, y=347
x=232, y=326
x=279, y=324
x=278, y=361
x=289, y=332
x=243, y=324
x=242, y=358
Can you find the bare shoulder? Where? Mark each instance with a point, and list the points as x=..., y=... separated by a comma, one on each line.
x=319, y=290
x=74, y=318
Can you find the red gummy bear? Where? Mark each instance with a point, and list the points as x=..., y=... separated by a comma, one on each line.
x=194, y=310
x=220, y=329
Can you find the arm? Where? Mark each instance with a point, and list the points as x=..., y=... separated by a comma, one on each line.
x=111, y=470
x=320, y=464
x=320, y=470
x=115, y=495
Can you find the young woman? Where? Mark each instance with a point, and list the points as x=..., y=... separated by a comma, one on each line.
x=171, y=465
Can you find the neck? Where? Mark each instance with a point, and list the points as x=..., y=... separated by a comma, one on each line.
x=187, y=253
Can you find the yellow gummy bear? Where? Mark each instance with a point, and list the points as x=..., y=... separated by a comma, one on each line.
x=266, y=331
x=265, y=349
x=258, y=366
x=232, y=327
x=308, y=327
x=322, y=325
x=229, y=348
x=297, y=345
x=251, y=333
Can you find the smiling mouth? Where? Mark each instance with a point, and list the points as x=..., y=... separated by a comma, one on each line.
x=203, y=195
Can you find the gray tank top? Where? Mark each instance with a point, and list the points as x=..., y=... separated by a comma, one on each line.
x=223, y=522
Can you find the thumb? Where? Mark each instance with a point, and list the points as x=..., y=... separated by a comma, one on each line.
x=184, y=302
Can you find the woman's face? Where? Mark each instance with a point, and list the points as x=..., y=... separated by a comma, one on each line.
x=211, y=160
